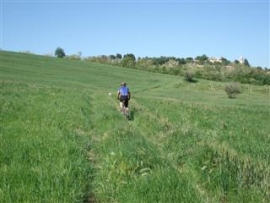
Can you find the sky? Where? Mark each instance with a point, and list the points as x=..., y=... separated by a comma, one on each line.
x=150, y=28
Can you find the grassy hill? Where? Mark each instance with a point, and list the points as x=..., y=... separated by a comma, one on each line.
x=63, y=138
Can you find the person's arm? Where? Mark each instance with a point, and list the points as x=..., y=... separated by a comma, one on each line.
x=129, y=95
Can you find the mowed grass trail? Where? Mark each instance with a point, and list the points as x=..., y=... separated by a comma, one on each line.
x=63, y=138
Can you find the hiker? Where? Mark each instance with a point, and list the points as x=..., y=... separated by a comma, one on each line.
x=123, y=95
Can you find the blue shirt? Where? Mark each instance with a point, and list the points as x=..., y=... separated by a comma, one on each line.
x=123, y=90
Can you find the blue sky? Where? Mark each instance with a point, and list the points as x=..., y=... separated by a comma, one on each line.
x=180, y=28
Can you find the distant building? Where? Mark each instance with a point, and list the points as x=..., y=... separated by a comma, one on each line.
x=214, y=59
x=242, y=60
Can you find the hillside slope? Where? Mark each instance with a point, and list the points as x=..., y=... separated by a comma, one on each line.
x=63, y=138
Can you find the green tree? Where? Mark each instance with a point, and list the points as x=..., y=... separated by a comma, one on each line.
x=203, y=58
x=119, y=56
x=246, y=63
x=189, y=60
x=224, y=61
x=132, y=56
x=112, y=57
x=59, y=52
x=129, y=60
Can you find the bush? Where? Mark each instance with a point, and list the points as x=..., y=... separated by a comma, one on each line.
x=232, y=90
x=188, y=76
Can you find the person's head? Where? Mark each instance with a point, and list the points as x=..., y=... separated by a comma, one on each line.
x=123, y=84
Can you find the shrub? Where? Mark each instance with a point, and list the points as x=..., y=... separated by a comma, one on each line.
x=232, y=90
x=188, y=76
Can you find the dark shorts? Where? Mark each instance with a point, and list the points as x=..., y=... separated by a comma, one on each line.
x=124, y=99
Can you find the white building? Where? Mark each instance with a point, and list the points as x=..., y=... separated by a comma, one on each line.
x=214, y=59
x=242, y=60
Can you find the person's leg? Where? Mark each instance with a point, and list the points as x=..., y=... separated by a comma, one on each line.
x=120, y=105
x=121, y=102
x=126, y=105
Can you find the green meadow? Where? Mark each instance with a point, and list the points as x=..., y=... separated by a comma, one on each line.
x=63, y=139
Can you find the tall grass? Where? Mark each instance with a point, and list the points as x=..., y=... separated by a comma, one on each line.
x=63, y=138
x=227, y=154
x=42, y=154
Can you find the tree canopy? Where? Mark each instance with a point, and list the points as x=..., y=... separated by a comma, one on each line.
x=59, y=52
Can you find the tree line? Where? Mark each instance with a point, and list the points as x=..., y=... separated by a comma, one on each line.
x=204, y=67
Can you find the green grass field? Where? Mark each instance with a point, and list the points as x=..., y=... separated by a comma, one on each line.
x=63, y=138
